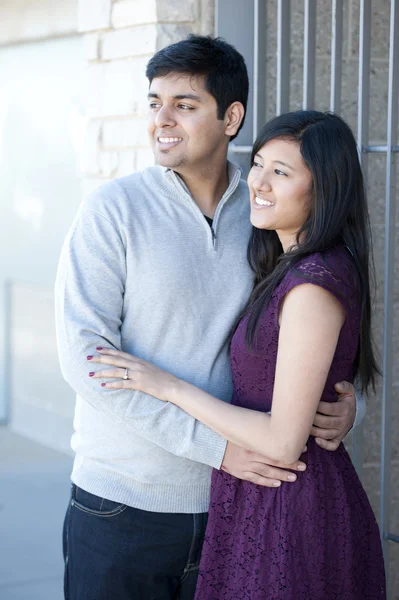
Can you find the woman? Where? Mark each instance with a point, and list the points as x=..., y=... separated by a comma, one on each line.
x=307, y=325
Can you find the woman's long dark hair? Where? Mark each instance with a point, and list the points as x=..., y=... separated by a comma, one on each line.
x=338, y=214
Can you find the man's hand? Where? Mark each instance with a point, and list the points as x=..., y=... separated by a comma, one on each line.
x=255, y=468
x=334, y=419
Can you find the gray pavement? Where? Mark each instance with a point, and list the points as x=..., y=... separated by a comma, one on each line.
x=34, y=490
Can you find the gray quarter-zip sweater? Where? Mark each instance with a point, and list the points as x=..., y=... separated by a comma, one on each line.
x=142, y=271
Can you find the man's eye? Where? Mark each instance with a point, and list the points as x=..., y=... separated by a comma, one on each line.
x=154, y=104
x=186, y=107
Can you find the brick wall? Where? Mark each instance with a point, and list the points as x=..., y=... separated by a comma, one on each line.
x=30, y=20
x=120, y=37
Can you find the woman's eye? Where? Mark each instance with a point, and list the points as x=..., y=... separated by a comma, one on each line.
x=278, y=172
x=256, y=164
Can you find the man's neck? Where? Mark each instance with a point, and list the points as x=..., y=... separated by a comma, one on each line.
x=207, y=188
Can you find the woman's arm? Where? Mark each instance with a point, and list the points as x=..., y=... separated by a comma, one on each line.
x=310, y=323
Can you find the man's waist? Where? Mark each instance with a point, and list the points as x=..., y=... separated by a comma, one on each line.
x=161, y=489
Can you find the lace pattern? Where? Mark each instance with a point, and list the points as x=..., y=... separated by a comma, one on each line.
x=316, y=539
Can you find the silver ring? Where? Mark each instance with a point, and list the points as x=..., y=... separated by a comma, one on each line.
x=126, y=374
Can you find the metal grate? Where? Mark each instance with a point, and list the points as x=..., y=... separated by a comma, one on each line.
x=242, y=23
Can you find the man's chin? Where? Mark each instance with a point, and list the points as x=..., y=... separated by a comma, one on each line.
x=170, y=162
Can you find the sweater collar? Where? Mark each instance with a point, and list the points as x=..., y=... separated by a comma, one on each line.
x=233, y=173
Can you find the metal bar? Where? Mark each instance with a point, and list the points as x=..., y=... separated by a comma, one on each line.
x=384, y=149
x=235, y=149
x=259, y=75
x=234, y=21
x=389, y=275
x=391, y=537
x=5, y=345
x=336, y=55
x=309, y=54
x=283, y=56
x=363, y=96
x=363, y=141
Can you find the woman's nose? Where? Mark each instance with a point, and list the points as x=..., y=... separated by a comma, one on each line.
x=262, y=184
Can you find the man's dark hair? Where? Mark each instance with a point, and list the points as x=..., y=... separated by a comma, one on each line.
x=221, y=65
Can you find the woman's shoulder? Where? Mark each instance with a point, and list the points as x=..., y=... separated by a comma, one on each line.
x=333, y=269
x=334, y=265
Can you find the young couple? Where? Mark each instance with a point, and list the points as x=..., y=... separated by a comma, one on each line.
x=246, y=305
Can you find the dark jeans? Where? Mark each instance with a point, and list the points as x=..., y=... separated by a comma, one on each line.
x=115, y=552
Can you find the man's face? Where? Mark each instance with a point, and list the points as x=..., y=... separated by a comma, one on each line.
x=183, y=127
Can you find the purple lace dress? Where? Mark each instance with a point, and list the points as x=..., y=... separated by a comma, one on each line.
x=315, y=539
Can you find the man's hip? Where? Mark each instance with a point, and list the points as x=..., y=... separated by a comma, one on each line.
x=115, y=551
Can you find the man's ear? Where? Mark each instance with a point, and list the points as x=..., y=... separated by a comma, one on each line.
x=233, y=118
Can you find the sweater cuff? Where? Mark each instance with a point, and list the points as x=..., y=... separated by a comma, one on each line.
x=209, y=447
x=361, y=407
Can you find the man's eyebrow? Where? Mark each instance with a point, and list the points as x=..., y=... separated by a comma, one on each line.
x=187, y=97
x=178, y=96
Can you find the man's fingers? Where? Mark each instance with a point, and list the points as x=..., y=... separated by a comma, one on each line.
x=326, y=422
x=344, y=388
x=333, y=409
x=259, y=480
x=273, y=472
x=325, y=434
x=328, y=444
x=255, y=458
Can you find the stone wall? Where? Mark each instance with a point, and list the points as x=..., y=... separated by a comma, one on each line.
x=376, y=191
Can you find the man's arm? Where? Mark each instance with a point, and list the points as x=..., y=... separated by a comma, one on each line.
x=311, y=322
x=89, y=295
x=333, y=421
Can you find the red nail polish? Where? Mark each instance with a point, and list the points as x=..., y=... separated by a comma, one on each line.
x=91, y=374
x=89, y=357
x=103, y=385
x=99, y=348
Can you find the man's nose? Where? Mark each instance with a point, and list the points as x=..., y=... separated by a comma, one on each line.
x=164, y=117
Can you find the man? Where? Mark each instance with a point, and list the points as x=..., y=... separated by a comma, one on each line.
x=155, y=264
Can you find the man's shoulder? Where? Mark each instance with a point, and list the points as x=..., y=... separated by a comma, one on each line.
x=123, y=191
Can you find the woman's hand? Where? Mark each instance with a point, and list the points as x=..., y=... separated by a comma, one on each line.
x=133, y=373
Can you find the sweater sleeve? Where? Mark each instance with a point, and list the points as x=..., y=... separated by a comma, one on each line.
x=361, y=405
x=89, y=293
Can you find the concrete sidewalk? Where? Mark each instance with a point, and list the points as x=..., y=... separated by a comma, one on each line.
x=34, y=491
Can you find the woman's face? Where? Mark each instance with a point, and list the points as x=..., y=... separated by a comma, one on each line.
x=280, y=188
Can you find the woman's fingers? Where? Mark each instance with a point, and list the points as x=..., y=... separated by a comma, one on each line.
x=116, y=353
x=116, y=361
x=120, y=384
x=108, y=374
x=117, y=374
